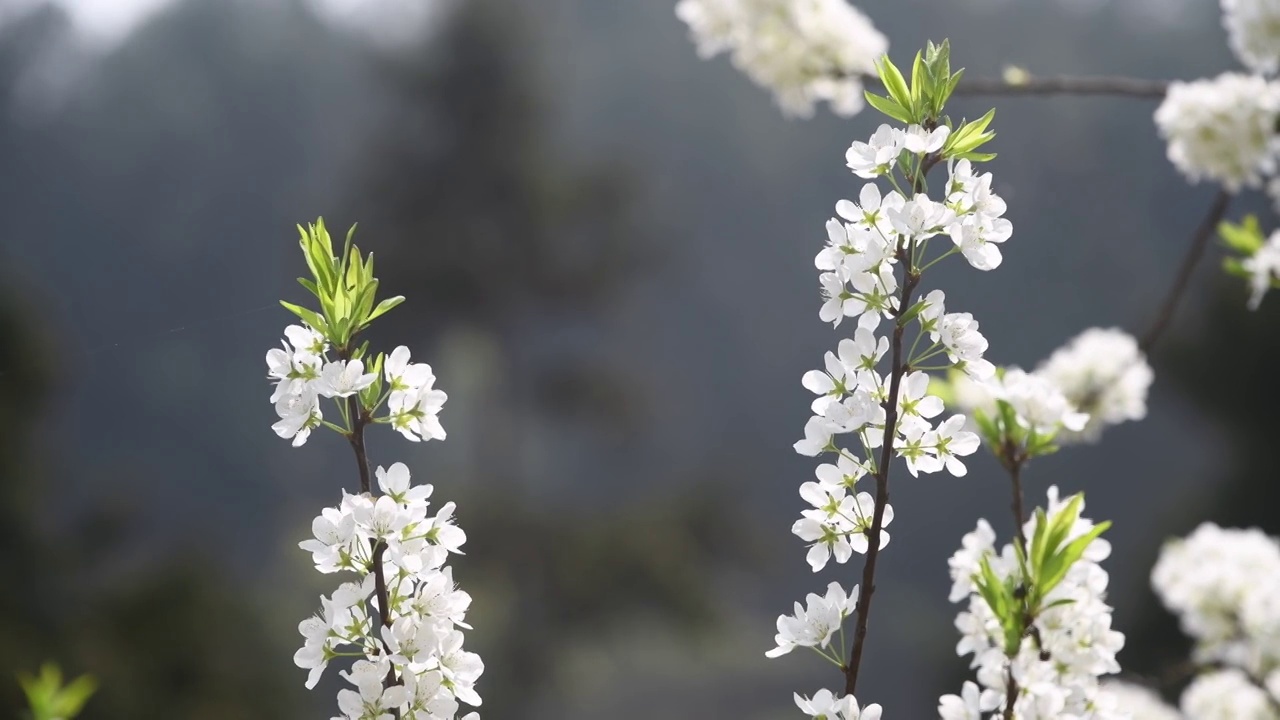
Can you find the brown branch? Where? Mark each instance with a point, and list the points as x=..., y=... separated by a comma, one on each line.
x=1065, y=85
x=898, y=366
x=359, y=420
x=882, y=490
x=1013, y=458
x=1199, y=242
x=1055, y=85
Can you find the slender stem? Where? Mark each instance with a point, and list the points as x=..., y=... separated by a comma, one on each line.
x=1010, y=693
x=1199, y=242
x=898, y=366
x=1065, y=85
x=1013, y=458
x=882, y=494
x=1013, y=461
x=1055, y=85
x=359, y=419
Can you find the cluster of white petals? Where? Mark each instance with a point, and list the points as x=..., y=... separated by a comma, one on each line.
x=407, y=635
x=1253, y=30
x=1038, y=403
x=813, y=624
x=1104, y=375
x=1099, y=378
x=805, y=51
x=826, y=706
x=1134, y=701
x=1224, y=586
x=1058, y=665
x=303, y=374
x=867, y=244
x=1227, y=694
x=421, y=646
x=1223, y=130
x=1263, y=268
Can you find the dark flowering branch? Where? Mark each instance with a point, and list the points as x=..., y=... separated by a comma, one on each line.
x=1199, y=242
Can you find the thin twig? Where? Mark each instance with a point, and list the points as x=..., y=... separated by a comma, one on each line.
x=882, y=492
x=1199, y=241
x=1065, y=85
x=1013, y=458
x=359, y=419
x=1055, y=85
x=911, y=278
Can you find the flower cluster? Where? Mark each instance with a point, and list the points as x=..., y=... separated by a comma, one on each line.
x=870, y=269
x=1099, y=378
x=1253, y=30
x=1224, y=586
x=1104, y=375
x=303, y=374
x=1262, y=269
x=1134, y=701
x=826, y=706
x=1058, y=647
x=401, y=617
x=865, y=246
x=422, y=645
x=1226, y=695
x=805, y=51
x=1223, y=130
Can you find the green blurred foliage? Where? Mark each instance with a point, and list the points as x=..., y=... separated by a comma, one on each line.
x=49, y=699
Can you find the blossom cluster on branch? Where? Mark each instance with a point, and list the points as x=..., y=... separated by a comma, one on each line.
x=805, y=51
x=1097, y=379
x=400, y=618
x=1036, y=620
x=873, y=402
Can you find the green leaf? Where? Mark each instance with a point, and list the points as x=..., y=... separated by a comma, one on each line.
x=975, y=156
x=888, y=107
x=383, y=307
x=921, y=86
x=310, y=286
x=49, y=700
x=1060, y=563
x=912, y=312
x=363, y=306
x=894, y=83
x=1235, y=266
x=1245, y=238
x=989, y=429
x=310, y=317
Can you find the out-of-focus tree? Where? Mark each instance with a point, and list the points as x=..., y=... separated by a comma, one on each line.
x=492, y=231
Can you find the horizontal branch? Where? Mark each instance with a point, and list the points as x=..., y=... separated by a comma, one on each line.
x=1065, y=85
x=1056, y=85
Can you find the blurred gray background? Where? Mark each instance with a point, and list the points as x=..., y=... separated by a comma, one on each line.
x=606, y=245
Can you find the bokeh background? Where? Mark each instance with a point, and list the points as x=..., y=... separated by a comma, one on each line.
x=607, y=249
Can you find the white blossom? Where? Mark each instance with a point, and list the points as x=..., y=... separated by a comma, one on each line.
x=299, y=412
x=824, y=705
x=344, y=378
x=1223, y=130
x=1253, y=30
x=427, y=609
x=1226, y=695
x=805, y=51
x=813, y=624
x=1137, y=702
x=1263, y=268
x=1221, y=583
x=1104, y=375
x=876, y=156
x=971, y=704
x=1058, y=666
